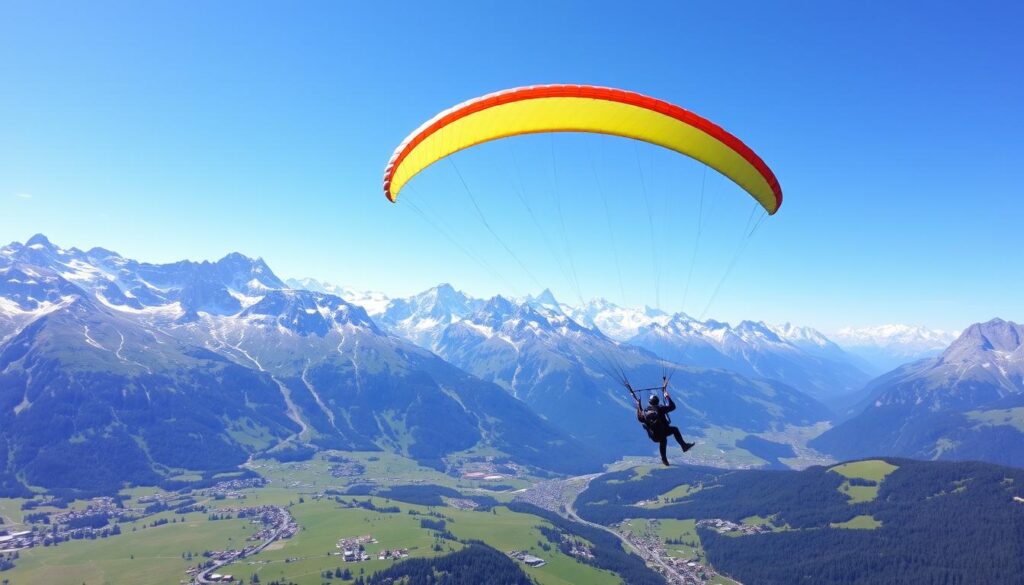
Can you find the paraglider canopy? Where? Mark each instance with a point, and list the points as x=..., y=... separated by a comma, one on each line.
x=581, y=108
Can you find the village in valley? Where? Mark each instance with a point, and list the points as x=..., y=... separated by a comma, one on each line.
x=679, y=559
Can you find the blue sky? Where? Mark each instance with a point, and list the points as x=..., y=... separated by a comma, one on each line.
x=177, y=130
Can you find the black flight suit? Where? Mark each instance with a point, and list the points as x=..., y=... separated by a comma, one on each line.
x=663, y=430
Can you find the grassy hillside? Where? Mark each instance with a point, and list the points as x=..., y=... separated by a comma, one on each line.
x=863, y=478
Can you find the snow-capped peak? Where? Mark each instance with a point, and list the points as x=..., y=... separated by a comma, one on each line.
x=39, y=241
x=546, y=299
x=791, y=332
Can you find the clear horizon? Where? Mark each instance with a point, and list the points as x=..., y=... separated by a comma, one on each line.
x=166, y=134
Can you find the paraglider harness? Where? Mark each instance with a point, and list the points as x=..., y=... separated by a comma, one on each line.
x=651, y=417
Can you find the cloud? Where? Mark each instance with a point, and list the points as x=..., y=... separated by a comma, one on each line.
x=23, y=195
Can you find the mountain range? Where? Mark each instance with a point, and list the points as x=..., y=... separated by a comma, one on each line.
x=572, y=374
x=799, y=357
x=117, y=371
x=827, y=367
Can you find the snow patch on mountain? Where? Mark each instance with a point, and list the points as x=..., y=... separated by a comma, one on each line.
x=9, y=308
x=169, y=312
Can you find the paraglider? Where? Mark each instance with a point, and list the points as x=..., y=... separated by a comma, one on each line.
x=546, y=109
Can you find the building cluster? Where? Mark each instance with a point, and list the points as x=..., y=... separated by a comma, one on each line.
x=555, y=495
x=527, y=558
x=15, y=541
x=726, y=526
x=233, y=489
x=11, y=544
x=70, y=525
x=354, y=555
x=462, y=503
x=204, y=574
x=102, y=506
x=159, y=497
x=689, y=571
x=276, y=523
x=159, y=502
x=351, y=549
x=551, y=495
x=346, y=468
x=580, y=550
x=225, y=555
x=395, y=554
x=274, y=520
x=681, y=570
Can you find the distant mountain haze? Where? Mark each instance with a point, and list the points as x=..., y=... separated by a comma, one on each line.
x=886, y=347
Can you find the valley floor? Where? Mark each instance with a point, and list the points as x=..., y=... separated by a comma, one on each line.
x=346, y=515
x=295, y=523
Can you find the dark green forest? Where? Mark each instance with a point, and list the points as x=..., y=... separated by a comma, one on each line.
x=943, y=523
